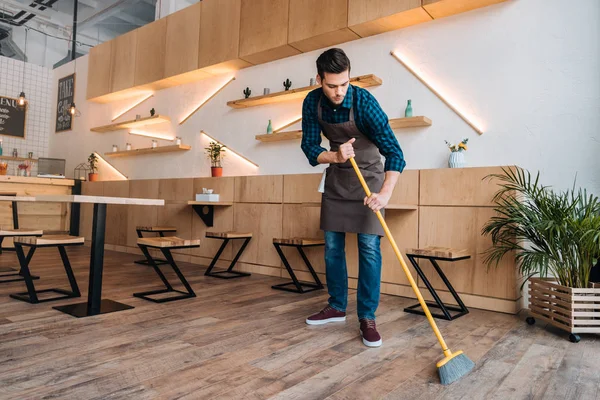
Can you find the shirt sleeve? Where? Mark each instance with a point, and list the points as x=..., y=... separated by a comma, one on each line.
x=377, y=123
x=311, y=131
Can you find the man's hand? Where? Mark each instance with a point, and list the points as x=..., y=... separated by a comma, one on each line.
x=346, y=151
x=377, y=201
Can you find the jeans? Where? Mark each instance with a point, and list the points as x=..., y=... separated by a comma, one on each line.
x=369, y=272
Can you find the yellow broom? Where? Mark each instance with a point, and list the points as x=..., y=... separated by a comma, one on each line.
x=454, y=365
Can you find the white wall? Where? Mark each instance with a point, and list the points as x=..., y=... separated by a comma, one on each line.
x=527, y=70
x=37, y=125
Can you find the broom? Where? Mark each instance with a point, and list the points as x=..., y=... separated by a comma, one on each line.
x=454, y=365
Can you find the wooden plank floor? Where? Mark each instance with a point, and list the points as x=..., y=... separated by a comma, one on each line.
x=239, y=339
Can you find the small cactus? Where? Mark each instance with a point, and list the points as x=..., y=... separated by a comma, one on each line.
x=287, y=84
x=247, y=92
x=152, y=112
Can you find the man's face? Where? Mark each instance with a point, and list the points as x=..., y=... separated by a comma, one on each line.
x=335, y=86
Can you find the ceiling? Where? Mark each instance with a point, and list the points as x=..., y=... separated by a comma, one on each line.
x=97, y=21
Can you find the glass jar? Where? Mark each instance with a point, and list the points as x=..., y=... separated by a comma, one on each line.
x=128, y=146
x=154, y=144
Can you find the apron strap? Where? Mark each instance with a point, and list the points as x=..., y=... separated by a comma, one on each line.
x=319, y=113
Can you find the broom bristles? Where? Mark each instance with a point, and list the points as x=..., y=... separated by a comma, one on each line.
x=455, y=368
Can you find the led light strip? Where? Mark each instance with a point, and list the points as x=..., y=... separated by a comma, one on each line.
x=207, y=100
x=132, y=107
x=110, y=165
x=442, y=98
x=230, y=149
x=288, y=124
x=151, y=135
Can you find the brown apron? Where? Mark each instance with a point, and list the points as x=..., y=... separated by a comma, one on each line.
x=342, y=206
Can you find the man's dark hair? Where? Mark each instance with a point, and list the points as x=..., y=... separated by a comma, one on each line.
x=333, y=61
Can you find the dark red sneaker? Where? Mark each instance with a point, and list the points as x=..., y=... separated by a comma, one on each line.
x=368, y=331
x=326, y=315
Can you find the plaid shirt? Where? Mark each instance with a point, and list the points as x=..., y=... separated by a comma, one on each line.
x=370, y=119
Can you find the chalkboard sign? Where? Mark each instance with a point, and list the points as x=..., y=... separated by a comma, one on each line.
x=12, y=117
x=66, y=95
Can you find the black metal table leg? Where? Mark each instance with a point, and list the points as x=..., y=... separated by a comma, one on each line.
x=229, y=273
x=300, y=287
x=439, y=304
x=95, y=305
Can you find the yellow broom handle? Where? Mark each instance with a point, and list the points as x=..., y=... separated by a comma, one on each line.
x=447, y=352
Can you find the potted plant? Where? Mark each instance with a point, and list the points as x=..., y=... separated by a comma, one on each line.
x=457, y=158
x=555, y=237
x=92, y=161
x=215, y=152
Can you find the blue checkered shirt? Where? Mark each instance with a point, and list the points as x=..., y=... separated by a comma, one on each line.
x=370, y=119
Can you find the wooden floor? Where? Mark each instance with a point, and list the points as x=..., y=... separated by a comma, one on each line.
x=240, y=339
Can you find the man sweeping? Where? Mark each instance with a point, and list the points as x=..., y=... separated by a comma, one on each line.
x=356, y=126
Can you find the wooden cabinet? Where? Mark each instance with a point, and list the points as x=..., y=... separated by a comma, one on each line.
x=368, y=18
x=183, y=38
x=264, y=31
x=444, y=8
x=150, y=53
x=219, y=36
x=315, y=24
x=98, y=82
x=122, y=70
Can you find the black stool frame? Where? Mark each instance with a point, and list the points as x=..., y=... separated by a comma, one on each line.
x=158, y=261
x=228, y=273
x=299, y=287
x=31, y=295
x=459, y=311
x=168, y=287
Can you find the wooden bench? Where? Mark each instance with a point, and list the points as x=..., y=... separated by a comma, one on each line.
x=35, y=242
x=165, y=244
x=300, y=244
x=229, y=273
x=9, y=274
x=434, y=254
x=160, y=230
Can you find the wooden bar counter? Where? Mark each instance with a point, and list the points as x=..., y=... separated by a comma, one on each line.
x=49, y=217
x=437, y=207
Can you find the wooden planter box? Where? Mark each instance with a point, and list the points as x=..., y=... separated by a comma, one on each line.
x=572, y=310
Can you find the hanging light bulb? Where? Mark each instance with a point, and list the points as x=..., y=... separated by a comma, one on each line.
x=72, y=109
x=22, y=100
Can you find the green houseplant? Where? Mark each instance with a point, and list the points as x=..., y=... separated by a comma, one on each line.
x=215, y=152
x=555, y=237
x=92, y=162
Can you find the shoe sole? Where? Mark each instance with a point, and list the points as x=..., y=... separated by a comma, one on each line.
x=325, y=321
x=370, y=344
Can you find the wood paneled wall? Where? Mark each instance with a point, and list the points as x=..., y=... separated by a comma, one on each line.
x=452, y=206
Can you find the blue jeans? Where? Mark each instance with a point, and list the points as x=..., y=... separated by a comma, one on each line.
x=369, y=272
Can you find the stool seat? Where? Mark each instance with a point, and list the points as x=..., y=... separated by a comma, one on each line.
x=440, y=252
x=156, y=228
x=9, y=232
x=299, y=241
x=50, y=240
x=228, y=235
x=168, y=241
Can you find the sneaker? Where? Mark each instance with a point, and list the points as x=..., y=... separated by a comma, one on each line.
x=369, y=334
x=326, y=315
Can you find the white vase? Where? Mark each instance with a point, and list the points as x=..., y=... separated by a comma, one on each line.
x=456, y=160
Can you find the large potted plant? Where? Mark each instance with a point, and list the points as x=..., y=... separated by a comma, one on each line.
x=215, y=152
x=92, y=162
x=555, y=237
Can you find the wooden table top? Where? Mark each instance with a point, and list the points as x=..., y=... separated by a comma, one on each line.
x=98, y=199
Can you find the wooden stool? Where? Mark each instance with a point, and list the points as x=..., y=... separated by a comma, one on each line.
x=299, y=243
x=226, y=237
x=434, y=254
x=161, y=233
x=165, y=245
x=9, y=274
x=60, y=241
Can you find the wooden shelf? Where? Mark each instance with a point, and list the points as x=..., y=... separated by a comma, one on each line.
x=11, y=158
x=405, y=207
x=156, y=150
x=210, y=203
x=157, y=119
x=278, y=136
x=411, y=122
x=293, y=94
x=396, y=123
